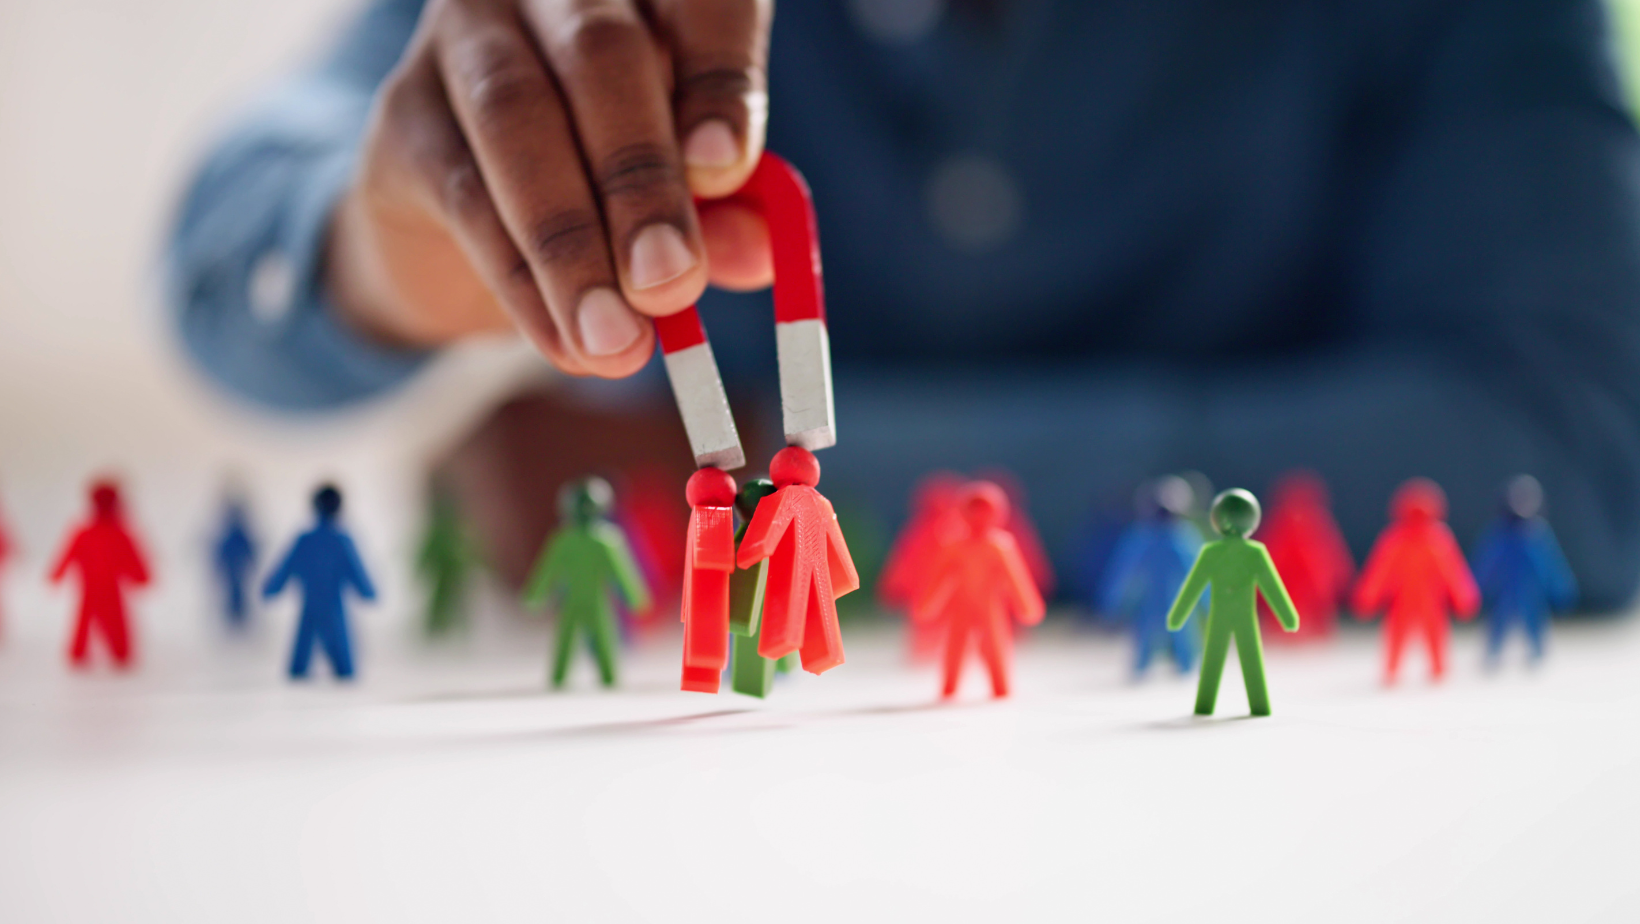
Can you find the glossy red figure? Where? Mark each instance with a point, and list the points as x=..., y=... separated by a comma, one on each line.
x=809, y=566
x=1309, y=553
x=979, y=586
x=710, y=559
x=1417, y=572
x=107, y=558
x=935, y=521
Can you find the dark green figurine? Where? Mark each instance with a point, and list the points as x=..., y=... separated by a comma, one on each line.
x=445, y=562
x=749, y=672
x=1238, y=569
x=584, y=562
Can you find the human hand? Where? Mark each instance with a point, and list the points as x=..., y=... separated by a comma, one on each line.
x=531, y=164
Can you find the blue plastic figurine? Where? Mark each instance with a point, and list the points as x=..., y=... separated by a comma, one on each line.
x=1520, y=569
x=1146, y=569
x=235, y=561
x=325, y=561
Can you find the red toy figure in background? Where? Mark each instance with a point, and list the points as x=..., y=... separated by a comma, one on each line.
x=5, y=553
x=1309, y=553
x=107, y=557
x=979, y=585
x=935, y=521
x=1416, y=570
x=1023, y=529
x=709, y=560
x=809, y=566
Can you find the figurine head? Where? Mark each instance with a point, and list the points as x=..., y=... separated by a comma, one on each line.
x=794, y=465
x=327, y=502
x=984, y=505
x=1235, y=513
x=1418, y=499
x=1523, y=497
x=583, y=501
x=1168, y=497
x=105, y=499
x=710, y=487
x=1300, y=487
x=751, y=494
x=937, y=491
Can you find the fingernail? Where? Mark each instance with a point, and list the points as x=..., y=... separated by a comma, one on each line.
x=659, y=255
x=607, y=325
x=712, y=144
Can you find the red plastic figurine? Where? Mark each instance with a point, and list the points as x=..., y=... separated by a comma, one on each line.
x=978, y=586
x=1309, y=553
x=5, y=553
x=935, y=521
x=709, y=561
x=107, y=557
x=1020, y=525
x=809, y=566
x=1417, y=571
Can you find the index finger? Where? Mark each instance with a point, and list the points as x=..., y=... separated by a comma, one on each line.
x=720, y=55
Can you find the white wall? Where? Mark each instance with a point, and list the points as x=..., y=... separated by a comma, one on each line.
x=104, y=106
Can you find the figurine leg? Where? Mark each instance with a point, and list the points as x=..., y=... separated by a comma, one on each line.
x=1537, y=626
x=1395, y=636
x=822, y=640
x=338, y=647
x=1496, y=628
x=563, y=645
x=1250, y=649
x=302, y=653
x=995, y=642
x=1435, y=631
x=79, y=650
x=785, y=599
x=1218, y=646
x=602, y=636
x=1141, y=646
x=751, y=673
x=117, y=633
x=956, y=645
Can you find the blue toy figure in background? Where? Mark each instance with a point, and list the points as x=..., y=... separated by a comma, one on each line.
x=1147, y=567
x=325, y=561
x=234, y=558
x=1520, y=569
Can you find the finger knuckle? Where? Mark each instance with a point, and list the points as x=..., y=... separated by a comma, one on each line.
x=502, y=82
x=640, y=172
x=568, y=237
x=601, y=31
x=462, y=189
x=726, y=83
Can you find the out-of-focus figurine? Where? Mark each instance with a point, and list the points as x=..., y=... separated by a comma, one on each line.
x=585, y=562
x=233, y=559
x=1522, y=574
x=1417, y=572
x=979, y=585
x=1309, y=553
x=326, y=563
x=445, y=563
x=1147, y=568
x=108, y=558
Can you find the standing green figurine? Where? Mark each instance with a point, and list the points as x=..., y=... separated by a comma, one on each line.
x=749, y=672
x=445, y=562
x=585, y=562
x=1237, y=567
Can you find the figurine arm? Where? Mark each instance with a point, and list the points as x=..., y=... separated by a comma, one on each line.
x=1275, y=592
x=70, y=554
x=1024, y=599
x=1558, y=581
x=1113, y=585
x=136, y=568
x=1460, y=584
x=546, y=575
x=935, y=596
x=845, y=578
x=356, y=575
x=769, y=522
x=634, y=590
x=1195, y=583
x=1373, y=585
x=1487, y=555
x=277, y=580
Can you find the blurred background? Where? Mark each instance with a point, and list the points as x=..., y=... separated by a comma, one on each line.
x=105, y=107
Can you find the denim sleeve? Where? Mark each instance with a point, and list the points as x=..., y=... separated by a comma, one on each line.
x=245, y=257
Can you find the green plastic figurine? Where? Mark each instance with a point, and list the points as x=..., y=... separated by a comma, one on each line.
x=585, y=562
x=749, y=672
x=445, y=562
x=1237, y=568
